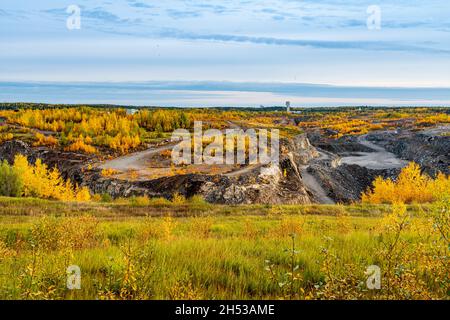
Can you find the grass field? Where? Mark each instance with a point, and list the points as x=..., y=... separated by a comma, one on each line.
x=193, y=250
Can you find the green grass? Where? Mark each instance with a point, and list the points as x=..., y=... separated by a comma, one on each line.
x=185, y=251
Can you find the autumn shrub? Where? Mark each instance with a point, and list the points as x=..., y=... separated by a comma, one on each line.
x=289, y=225
x=106, y=197
x=109, y=172
x=131, y=277
x=6, y=137
x=168, y=226
x=51, y=233
x=166, y=154
x=141, y=201
x=201, y=227
x=5, y=252
x=412, y=186
x=178, y=199
x=197, y=202
x=81, y=129
x=159, y=202
x=41, y=182
x=341, y=279
x=43, y=140
x=80, y=145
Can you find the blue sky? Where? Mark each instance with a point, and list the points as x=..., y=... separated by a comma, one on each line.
x=230, y=52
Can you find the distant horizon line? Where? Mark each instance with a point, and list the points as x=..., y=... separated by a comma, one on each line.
x=225, y=82
x=262, y=107
x=197, y=93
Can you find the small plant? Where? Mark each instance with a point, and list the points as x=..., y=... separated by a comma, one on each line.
x=140, y=201
x=183, y=289
x=178, y=199
x=43, y=140
x=168, y=226
x=109, y=172
x=132, y=278
x=289, y=279
x=201, y=227
x=106, y=197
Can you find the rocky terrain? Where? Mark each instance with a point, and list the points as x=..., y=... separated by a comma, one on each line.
x=429, y=148
x=313, y=169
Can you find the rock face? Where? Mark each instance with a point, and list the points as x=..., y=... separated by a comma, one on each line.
x=267, y=184
x=270, y=184
x=345, y=183
x=70, y=164
x=300, y=148
x=10, y=149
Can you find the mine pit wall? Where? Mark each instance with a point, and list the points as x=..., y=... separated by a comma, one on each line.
x=432, y=153
x=343, y=183
x=262, y=185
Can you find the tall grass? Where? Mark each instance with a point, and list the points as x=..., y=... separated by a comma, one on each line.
x=222, y=256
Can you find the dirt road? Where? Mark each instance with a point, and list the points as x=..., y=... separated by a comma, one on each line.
x=135, y=161
x=312, y=184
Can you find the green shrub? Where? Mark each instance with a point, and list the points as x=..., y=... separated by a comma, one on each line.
x=139, y=201
x=11, y=184
x=106, y=197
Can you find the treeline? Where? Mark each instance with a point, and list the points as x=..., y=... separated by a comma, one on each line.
x=162, y=120
x=41, y=106
x=84, y=129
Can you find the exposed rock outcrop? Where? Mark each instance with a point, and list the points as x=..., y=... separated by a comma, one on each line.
x=267, y=184
x=270, y=184
x=345, y=183
x=9, y=149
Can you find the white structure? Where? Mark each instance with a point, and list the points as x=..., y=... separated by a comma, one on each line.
x=288, y=106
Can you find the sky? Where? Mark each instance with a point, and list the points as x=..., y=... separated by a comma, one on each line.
x=226, y=53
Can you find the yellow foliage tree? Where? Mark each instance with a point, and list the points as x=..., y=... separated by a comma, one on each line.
x=412, y=186
x=43, y=140
x=41, y=182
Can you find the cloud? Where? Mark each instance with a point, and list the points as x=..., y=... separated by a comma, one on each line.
x=216, y=9
x=181, y=14
x=107, y=21
x=278, y=18
x=135, y=4
x=320, y=44
x=103, y=15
